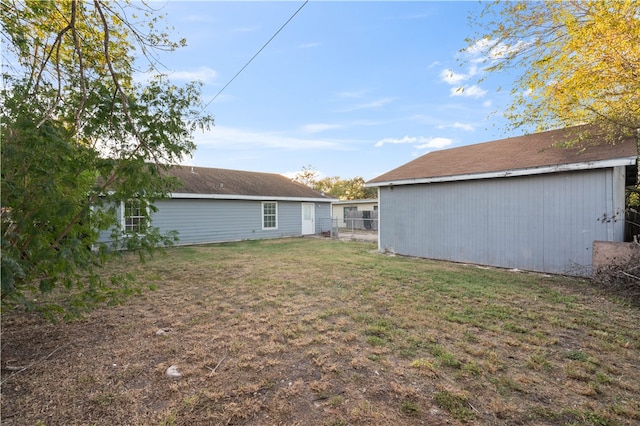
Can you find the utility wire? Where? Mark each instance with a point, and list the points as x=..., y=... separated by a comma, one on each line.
x=254, y=56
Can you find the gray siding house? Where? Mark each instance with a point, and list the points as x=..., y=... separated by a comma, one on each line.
x=521, y=202
x=218, y=205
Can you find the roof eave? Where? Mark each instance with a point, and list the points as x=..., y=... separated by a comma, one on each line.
x=362, y=201
x=194, y=196
x=586, y=165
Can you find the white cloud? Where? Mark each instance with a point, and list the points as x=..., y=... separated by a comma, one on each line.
x=502, y=50
x=406, y=139
x=320, y=127
x=495, y=50
x=204, y=74
x=457, y=125
x=451, y=77
x=479, y=47
x=456, y=80
x=435, y=143
x=448, y=76
x=487, y=103
x=229, y=138
x=473, y=91
x=419, y=142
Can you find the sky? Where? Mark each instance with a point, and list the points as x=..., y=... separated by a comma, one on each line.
x=348, y=88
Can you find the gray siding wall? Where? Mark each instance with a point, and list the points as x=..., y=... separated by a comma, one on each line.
x=200, y=221
x=207, y=221
x=322, y=217
x=543, y=223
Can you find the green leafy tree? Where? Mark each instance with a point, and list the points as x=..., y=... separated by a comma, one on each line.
x=579, y=61
x=79, y=136
x=343, y=189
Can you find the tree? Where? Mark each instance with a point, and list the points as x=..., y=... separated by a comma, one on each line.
x=79, y=136
x=345, y=189
x=307, y=176
x=581, y=61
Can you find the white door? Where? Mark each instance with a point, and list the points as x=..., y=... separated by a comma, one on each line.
x=308, y=218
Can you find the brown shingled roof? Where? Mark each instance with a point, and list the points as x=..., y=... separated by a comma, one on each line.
x=516, y=153
x=203, y=180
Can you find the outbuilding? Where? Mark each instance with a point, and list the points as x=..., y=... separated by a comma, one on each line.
x=525, y=202
x=355, y=214
x=217, y=205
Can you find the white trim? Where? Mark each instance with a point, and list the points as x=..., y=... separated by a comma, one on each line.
x=262, y=216
x=123, y=219
x=626, y=161
x=363, y=201
x=248, y=197
x=313, y=219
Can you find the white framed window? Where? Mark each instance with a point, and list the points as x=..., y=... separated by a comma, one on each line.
x=135, y=216
x=269, y=215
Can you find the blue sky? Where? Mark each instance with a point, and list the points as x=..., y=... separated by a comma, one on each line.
x=350, y=88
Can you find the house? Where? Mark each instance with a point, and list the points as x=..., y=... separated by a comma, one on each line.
x=522, y=202
x=217, y=205
x=356, y=212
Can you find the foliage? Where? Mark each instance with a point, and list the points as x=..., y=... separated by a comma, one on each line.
x=343, y=189
x=581, y=61
x=307, y=176
x=80, y=135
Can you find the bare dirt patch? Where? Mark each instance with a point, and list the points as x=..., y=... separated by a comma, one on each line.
x=310, y=331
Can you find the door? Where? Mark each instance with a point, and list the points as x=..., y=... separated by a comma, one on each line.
x=308, y=218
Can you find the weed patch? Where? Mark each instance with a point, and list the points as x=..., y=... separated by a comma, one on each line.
x=456, y=404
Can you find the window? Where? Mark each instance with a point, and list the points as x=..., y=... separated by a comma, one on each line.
x=348, y=210
x=136, y=216
x=269, y=215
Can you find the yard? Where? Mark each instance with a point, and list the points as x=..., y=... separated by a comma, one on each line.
x=311, y=331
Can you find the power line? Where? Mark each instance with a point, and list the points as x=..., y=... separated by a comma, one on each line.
x=254, y=56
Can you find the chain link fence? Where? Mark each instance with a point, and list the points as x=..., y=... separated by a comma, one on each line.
x=356, y=225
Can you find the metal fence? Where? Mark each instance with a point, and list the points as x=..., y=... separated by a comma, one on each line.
x=357, y=225
x=366, y=220
x=632, y=224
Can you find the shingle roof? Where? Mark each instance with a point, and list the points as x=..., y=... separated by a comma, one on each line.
x=210, y=181
x=523, y=153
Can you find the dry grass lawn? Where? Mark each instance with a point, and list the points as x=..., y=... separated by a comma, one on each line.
x=317, y=332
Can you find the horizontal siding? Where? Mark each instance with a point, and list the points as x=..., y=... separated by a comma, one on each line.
x=322, y=217
x=206, y=221
x=541, y=223
x=200, y=221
